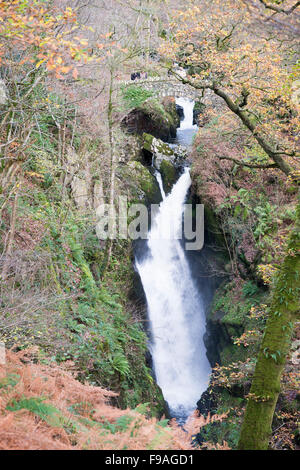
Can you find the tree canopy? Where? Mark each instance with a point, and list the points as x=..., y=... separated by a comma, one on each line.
x=224, y=49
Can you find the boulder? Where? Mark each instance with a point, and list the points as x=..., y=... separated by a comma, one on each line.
x=166, y=159
x=162, y=151
x=143, y=186
x=159, y=119
x=169, y=175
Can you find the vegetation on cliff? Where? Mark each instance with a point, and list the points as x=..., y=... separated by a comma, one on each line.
x=44, y=407
x=55, y=292
x=251, y=211
x=71, y=141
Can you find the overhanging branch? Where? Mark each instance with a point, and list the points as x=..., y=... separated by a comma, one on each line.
x=272, y=151
x=278, y=9
x=248, y=165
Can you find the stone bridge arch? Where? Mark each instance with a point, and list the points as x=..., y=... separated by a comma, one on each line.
x=164, y=87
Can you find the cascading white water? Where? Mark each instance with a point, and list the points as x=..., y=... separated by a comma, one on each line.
x=188, y=107
x=187, y=129
x=160, y=183
x=175, y=307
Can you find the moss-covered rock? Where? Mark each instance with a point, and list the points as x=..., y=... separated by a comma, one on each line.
x=168, y=160
x=157, y=147
x=169, y=175
x=142, y=184
x=147, y=142
x=155, y=119
x=169, y=104
x=212, y=225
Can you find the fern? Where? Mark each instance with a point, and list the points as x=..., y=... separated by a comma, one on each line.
x=135, y=96
x=120, y=363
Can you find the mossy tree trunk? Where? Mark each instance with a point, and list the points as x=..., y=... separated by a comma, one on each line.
x=284, y=311
x=112, y=158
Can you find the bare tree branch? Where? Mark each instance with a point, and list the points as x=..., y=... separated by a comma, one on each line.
x=248, y=165
x=278, y=9
x=272, y=151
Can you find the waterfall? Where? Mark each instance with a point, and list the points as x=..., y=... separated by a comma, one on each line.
x=188, y=107
x=187, y=129
x=160, y=183
x=175, y=307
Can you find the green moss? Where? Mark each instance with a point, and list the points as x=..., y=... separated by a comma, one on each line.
x=163, y=148
x=232, y=353
x=227, y=430
x=154, y=108
x=229, y=317
x=147, y=141
x=169, y=105
x=283, y=312
x=166, y=121
x=229, y=311
x=143, y=185
x=231, y=305
x=212, y=224
x=169, y=175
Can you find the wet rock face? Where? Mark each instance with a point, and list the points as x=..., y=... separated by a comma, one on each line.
x=144, y=187
x=168, y=160
x=158, y=119
x=180, y=112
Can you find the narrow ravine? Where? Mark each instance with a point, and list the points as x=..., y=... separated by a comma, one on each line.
x=175, y=306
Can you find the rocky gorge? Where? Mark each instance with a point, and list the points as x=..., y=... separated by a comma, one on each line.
x=231, y=297
x=150, y=225
x=170, y=160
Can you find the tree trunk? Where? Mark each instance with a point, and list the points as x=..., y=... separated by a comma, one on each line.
x=262, y=141
x=265, y=144
x=109, y=244
x=284, y=311
x=11, y=235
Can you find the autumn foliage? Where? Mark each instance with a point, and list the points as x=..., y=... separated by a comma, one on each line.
x=227, y=51
x=33, y=32
x=45, y=407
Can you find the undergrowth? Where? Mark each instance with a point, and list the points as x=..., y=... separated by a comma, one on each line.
x=46, y=407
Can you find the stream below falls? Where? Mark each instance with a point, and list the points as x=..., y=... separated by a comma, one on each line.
x=175, y=303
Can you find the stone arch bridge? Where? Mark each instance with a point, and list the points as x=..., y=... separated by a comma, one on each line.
x=164, y=86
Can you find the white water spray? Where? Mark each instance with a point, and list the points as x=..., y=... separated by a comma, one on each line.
x=188, y=107
x=187, y=129
x=175, y=307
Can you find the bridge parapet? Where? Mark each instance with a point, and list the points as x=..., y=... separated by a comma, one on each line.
x=164, y=86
